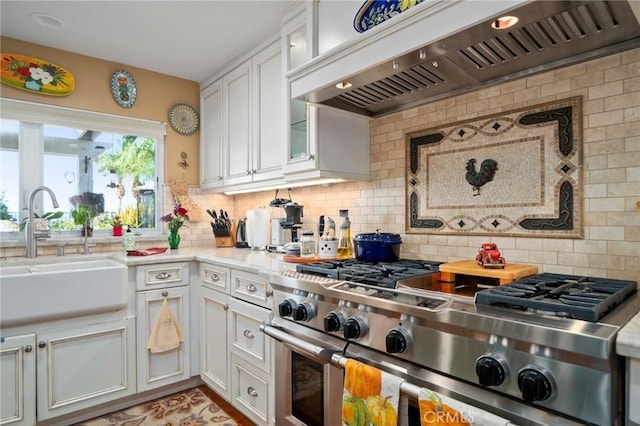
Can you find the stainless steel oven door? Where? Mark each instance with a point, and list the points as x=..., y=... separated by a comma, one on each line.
x=308, y=387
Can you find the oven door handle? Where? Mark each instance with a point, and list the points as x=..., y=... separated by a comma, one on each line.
x=312, y=351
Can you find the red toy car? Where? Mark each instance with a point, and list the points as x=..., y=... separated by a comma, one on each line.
x=489, y=256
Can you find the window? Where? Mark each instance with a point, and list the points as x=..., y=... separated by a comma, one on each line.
x=105, y=162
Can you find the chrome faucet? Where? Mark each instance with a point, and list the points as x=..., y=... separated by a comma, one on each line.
x=32, y=249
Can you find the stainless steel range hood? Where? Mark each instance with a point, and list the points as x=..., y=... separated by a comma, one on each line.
x=548, y=35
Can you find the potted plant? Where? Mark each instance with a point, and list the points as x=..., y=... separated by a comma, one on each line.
x=83, y=216
x=117, y=224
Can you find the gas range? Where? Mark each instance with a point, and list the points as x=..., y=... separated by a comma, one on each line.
x=535, y=340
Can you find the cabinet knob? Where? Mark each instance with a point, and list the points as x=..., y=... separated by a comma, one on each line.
x=219, y=177
x=163, y=276
x=215, y=277
x=248, y=171
x=251, y=288
x=269, y=293
x=42, y=344
x=165, y=293
x=28, y=348
x=248, y=334
x=225, y=307
x=251, y=391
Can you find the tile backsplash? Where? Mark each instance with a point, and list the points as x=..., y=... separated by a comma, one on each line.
x=610, y=90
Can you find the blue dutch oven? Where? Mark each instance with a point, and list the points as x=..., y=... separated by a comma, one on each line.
x=377, y=247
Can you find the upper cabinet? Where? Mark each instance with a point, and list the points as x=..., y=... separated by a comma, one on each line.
x=245, y=141
x=211, y=170
x=322, y=143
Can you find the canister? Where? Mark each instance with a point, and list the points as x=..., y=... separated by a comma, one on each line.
x=307, y=244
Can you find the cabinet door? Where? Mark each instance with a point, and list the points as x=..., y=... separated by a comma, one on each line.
x=85, y=366
x=18, y=380
x=268, y=126
x=159, y=369
x=237, y=125
x=211, y=170
x=214, y=345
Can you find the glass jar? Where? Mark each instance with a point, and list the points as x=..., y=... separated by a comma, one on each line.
x=307, y=244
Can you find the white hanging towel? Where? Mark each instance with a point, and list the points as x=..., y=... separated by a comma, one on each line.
x=166, y=334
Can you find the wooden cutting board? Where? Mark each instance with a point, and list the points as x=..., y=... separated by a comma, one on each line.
x=511, y=272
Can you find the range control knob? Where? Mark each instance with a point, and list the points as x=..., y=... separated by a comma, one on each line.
x=354, y=328
x=534, y=384
x=285, y=308
x=398, y=341
x=491, y=370
x=303, y=312
x=333, y=321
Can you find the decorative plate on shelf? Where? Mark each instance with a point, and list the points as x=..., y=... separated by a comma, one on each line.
x=123, y=88
x=183, y=119
x=374, y=12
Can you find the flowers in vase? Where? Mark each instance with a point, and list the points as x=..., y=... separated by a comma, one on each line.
x=175, y=219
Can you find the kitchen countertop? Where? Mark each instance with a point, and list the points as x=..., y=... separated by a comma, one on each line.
x=244, y=259
x=628, y=341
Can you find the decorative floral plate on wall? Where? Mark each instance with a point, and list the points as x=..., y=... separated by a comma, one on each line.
x=36, y=75
x=123, y=88
x=183, y=119
x=374, y=12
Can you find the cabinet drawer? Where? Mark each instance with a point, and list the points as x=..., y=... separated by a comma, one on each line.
x=163, y=275
x=251, y=391
x=247, y=341
x=215, y=277
x=251, y=288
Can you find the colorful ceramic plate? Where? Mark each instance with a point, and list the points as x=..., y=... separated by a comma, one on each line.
x=374, y=12
x=36, y=75
x=183, y=119
x=123, y=88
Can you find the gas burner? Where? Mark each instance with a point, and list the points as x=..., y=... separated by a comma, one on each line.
x=382, y=274
x=583, y=298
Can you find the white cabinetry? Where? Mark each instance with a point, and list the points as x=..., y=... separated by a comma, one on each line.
x=235, y=355
x=168, y=281
x=18, y=380
x=243, y=139
x=58, y=371
x=81, y=367
x=322, y=143
x=214, y=326
x=211, y=164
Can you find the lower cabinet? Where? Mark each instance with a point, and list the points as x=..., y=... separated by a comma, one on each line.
x=18, y=380
x=214, y=345
x=160, y=369
x=235, y=356
x=60, y=371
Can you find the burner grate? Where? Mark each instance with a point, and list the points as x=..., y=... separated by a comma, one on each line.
x=571, y=296
x=381, y=274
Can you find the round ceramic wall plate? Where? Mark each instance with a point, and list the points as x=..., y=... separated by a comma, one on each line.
x=123, y=88
x=183, y=119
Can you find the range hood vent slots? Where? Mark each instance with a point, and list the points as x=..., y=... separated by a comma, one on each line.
x=548, y=35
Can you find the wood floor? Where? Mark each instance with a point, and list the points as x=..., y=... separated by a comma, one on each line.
x=228, y=408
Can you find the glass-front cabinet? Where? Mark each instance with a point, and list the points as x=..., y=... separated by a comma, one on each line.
x=297, y=42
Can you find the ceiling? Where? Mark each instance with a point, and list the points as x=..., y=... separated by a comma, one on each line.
x=185, y=39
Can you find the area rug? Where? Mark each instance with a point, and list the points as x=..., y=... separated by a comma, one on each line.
x=187, y=408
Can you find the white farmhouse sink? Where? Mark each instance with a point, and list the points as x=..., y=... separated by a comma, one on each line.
x=53, y=291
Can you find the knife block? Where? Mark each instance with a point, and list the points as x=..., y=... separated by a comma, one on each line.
x=229, y=241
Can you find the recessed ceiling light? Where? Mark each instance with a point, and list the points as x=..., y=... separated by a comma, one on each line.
x=46, y=20
x=344, y=85
x=504, y=22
